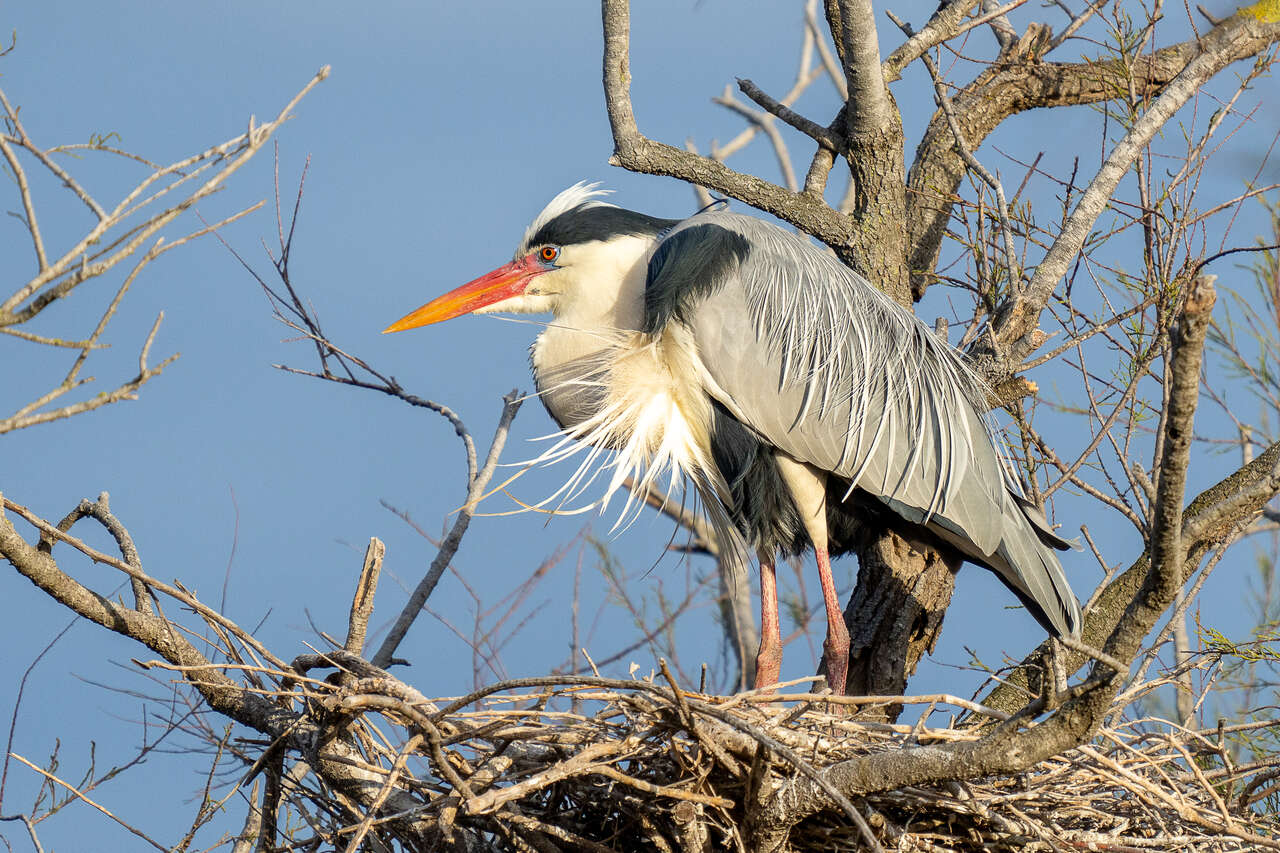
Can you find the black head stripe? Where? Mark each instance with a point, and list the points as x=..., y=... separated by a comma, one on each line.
x=598, y=222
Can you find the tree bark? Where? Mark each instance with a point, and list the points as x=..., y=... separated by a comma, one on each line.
x=877, y=245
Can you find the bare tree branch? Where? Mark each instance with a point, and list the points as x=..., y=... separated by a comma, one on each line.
x=475, y=489
x=765, y=122
x=229, y=156
x=362, y=601
x=1221, y=47
x=810, y=128
x=116, y=236
x=853, y=27
x=1021, y=81
x=944, y=104
x=632, y=150
x=335, y=760
x=943, y=25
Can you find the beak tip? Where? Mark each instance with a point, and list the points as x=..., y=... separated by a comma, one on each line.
x=412, y=321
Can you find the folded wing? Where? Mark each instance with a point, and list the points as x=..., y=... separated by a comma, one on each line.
x=829, y=370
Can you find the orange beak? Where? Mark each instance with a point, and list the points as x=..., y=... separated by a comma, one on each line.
x=503, y=283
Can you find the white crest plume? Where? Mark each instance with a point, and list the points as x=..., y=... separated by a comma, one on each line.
x=580, y=194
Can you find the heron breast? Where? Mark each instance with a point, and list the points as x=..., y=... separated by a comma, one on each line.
x=637, y=396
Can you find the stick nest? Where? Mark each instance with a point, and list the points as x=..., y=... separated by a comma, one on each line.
x=599, y=764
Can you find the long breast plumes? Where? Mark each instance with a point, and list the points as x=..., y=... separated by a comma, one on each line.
x=629, y=404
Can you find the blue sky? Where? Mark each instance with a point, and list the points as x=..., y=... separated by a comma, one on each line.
x=443, y=128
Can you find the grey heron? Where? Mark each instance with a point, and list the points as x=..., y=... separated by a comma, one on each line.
x=792, y=393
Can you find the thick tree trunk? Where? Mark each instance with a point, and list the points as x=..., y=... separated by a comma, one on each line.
x=877, y=245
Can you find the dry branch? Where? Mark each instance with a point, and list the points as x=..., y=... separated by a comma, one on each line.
x=634, y=151
x=1206, y=525
x=1021, y=81
x=1243, y=35
x=116, y=236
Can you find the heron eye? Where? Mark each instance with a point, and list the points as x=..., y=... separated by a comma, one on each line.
x=549, y=253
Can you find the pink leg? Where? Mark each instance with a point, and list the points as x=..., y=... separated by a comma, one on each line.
x=769, y=658
x=836, y=646
x=807, y=486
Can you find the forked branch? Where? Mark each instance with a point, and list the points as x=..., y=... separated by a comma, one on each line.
x=1243, y=33
x=636, y=152
x=117, y=235
x=1023, y=81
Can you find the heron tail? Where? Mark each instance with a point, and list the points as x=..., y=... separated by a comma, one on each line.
x=1028, y=564
x=1025, y=560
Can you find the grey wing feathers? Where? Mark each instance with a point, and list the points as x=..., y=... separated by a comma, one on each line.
x=832, y=372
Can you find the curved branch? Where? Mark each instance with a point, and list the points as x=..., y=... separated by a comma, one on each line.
x=227, y=158
x=943, y=25
x=1017, y=317
x=338, y=762
x=634, y=151
x=413, y=607
x=1207, y=521
x=810, y=128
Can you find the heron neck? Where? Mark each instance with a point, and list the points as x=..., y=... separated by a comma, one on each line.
x=604, y=312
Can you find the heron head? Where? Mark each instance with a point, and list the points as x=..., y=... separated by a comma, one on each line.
x=575, y=260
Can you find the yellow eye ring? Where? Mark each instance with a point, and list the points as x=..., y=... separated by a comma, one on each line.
x=548, y=253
